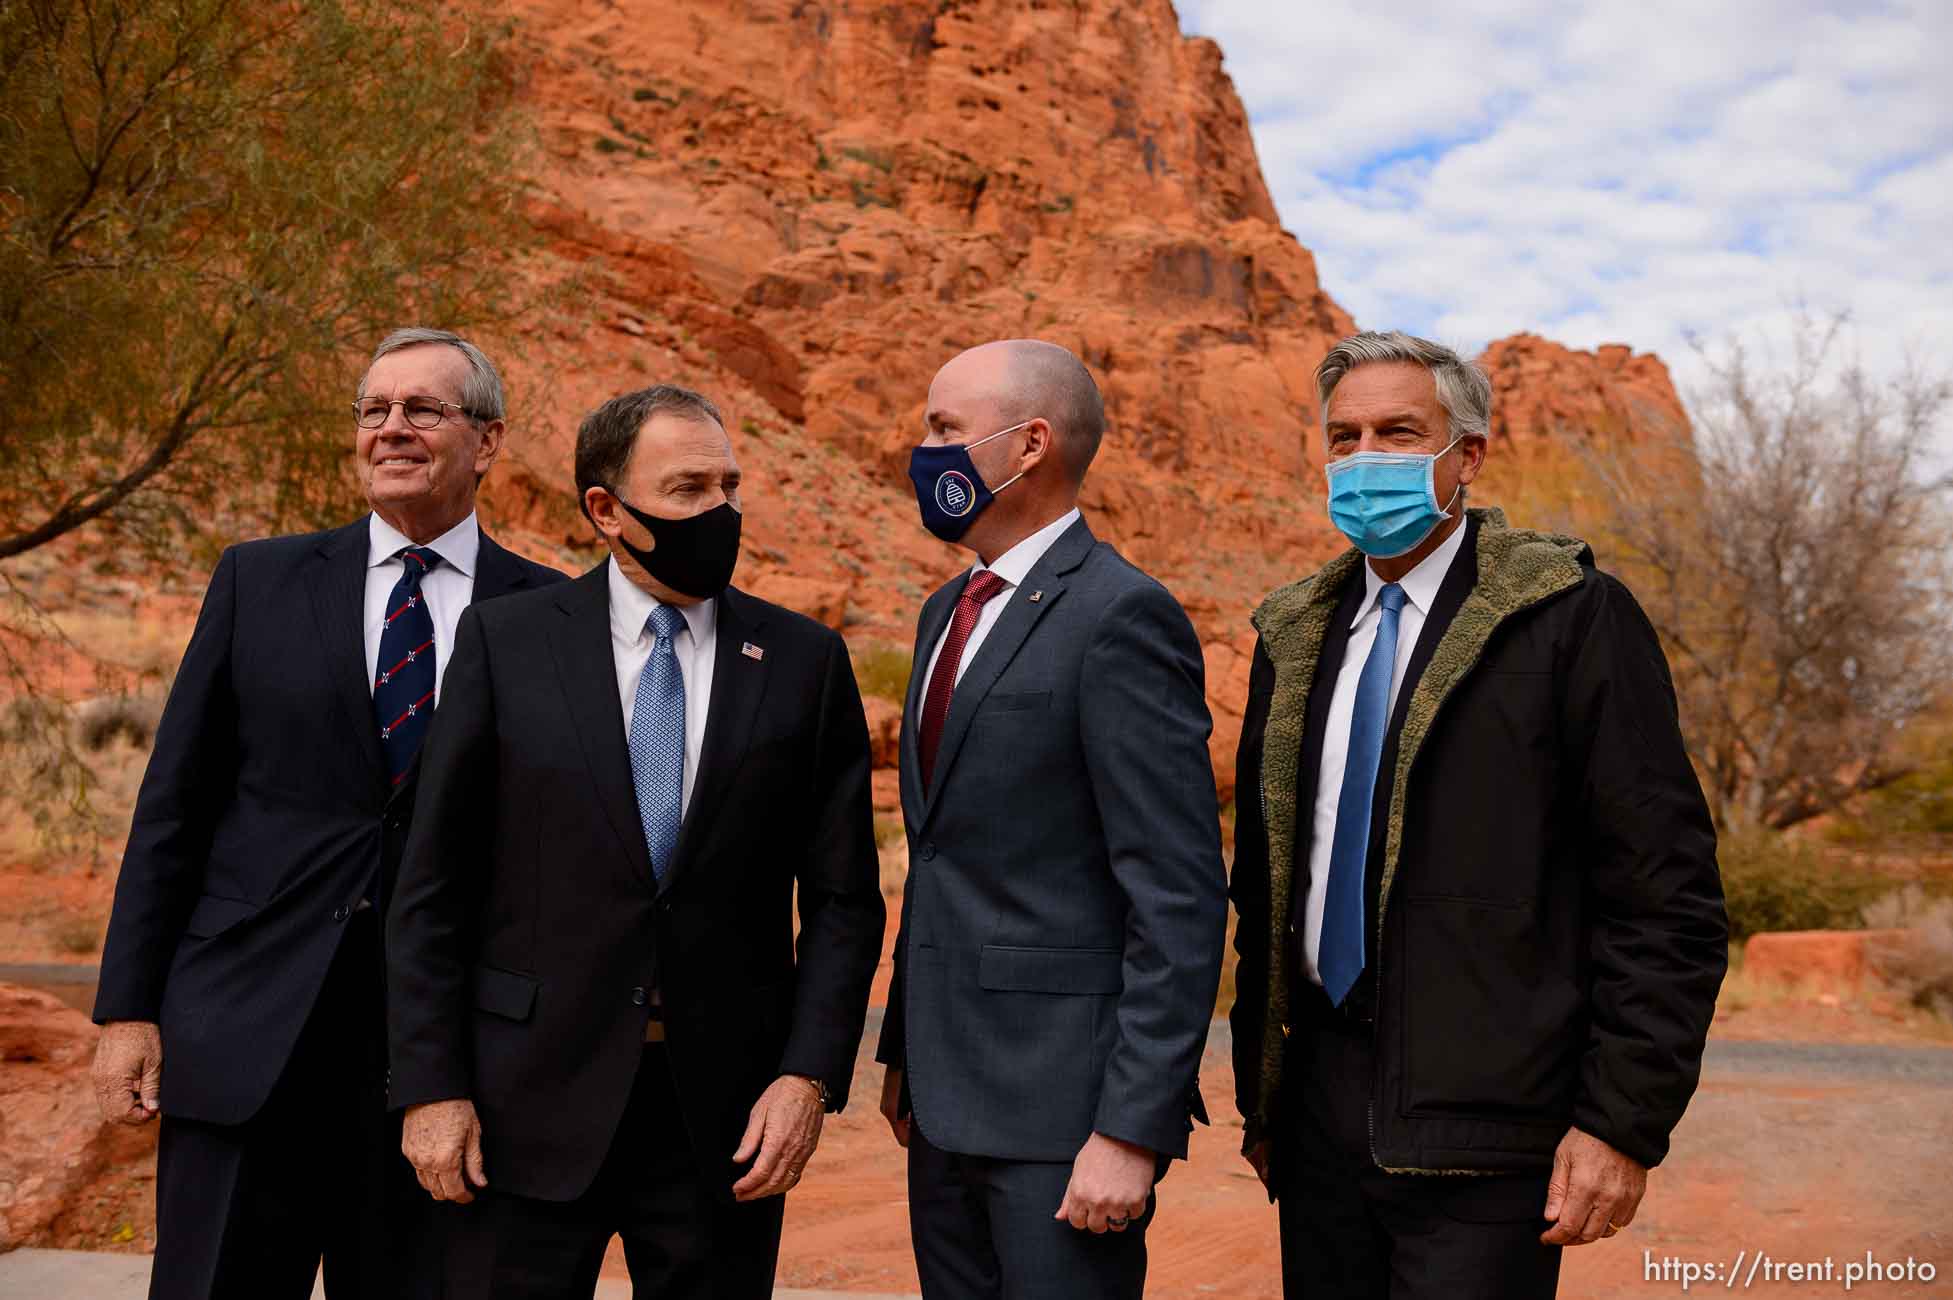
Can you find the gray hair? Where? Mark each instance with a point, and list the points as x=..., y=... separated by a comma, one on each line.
x=1464, y=391
x=481, y=391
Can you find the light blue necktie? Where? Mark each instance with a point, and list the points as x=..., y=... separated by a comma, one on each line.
x=658, y=741
x=1340, y=959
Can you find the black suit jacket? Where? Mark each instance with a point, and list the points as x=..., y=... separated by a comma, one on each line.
x=264, y=816
x=528, y=928
x=1065, y=911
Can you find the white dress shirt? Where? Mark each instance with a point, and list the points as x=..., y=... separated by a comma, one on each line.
x=1420, y=589
x=631, y=643
x=448, y=587
x=1013, y=566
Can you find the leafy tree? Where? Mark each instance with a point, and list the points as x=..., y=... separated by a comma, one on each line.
x=207, y=208
x=209, y=211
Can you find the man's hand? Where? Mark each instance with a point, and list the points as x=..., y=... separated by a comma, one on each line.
x=442, y=1141
x=1111, y=1182
x=128, y=1071
x=1594, y=1191
x=785, y=1125
x=1257, y=1158
x=898, y=1123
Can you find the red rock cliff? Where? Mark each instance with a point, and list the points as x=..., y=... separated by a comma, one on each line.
x=805, y=208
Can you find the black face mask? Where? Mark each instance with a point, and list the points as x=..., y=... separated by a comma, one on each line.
x=694, y=556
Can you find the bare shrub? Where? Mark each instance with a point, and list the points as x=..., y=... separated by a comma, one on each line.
x=1792, y=555
x=1917, y=961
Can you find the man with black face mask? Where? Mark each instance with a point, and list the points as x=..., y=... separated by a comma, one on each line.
x=603, y=1025
x=1064, y=915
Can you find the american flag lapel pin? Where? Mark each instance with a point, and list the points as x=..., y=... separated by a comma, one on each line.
x=751, y=651
x=1037, y=595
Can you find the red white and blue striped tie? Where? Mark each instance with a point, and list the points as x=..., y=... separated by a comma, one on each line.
x=403, y=681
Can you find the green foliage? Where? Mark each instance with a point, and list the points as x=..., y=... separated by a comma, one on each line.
x=1062, y=204
x=1772, y=881
x=210, y=210
x=888, y=831
x=882, y=670
x=1918, y=804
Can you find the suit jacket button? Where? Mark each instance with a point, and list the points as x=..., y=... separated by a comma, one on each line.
x=928, y=852
x=638, y=997
x=341, y=912
x=664, y=905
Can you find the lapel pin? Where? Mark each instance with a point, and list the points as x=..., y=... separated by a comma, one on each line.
x=751, y=651
x=1037, y=595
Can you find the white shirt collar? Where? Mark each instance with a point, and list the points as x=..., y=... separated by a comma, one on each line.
x=631, y=606
x=1015, y=565
x=1421, y=583
x=458, y=547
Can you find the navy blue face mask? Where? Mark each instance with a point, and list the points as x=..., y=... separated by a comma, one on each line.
x=948, y=488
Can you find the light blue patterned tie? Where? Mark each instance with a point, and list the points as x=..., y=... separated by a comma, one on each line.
x=1340, y=959
x=658, y=741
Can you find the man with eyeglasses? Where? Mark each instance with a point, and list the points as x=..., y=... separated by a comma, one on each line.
x=244, y=949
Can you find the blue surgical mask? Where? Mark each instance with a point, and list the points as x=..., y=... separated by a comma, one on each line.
x=948, y=488
x=1386, y=502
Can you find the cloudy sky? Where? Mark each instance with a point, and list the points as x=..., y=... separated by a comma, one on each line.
x=1624, y=171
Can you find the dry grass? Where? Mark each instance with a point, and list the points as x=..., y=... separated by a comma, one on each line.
x=75, y=936
x=882, y=670
x=1918, y=962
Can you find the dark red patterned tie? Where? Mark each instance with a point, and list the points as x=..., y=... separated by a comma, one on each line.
x=983, y=584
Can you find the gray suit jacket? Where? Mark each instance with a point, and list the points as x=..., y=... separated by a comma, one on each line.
x=1065, y=911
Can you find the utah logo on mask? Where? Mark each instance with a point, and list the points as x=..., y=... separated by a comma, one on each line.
x=954, y=494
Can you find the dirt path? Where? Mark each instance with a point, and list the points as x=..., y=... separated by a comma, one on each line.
x=1798, y=1150
x=1807, y=1139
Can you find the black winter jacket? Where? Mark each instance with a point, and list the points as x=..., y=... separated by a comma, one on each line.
x=1549, y=925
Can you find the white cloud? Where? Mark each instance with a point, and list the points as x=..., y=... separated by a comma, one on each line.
x=1636, y=173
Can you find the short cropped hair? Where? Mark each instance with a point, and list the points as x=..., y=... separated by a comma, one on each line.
x=1049, y=383
x=605, y=438
x=481, y=391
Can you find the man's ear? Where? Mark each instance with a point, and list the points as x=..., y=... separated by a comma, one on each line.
x=492, y=433
x=1471, y=457
x=605, y=514
x=1039, y=444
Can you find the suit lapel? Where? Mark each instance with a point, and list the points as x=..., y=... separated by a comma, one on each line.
x=339, y=603
x=935, y=617
x=587, y=673
x=1315, y=728
x=497, y=573
x=1013, y=627
x=738, y=685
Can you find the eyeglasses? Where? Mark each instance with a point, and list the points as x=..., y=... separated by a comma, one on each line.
x=422, y=412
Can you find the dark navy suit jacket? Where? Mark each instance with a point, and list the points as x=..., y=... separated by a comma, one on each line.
x=264, y=817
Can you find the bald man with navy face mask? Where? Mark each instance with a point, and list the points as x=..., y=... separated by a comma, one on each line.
x=1063, y=919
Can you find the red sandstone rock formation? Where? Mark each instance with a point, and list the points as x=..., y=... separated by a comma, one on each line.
x=58, y=1160
x=1542, y=390
x=805, y=208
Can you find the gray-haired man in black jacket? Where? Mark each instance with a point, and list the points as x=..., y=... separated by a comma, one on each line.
x=1481, y=926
